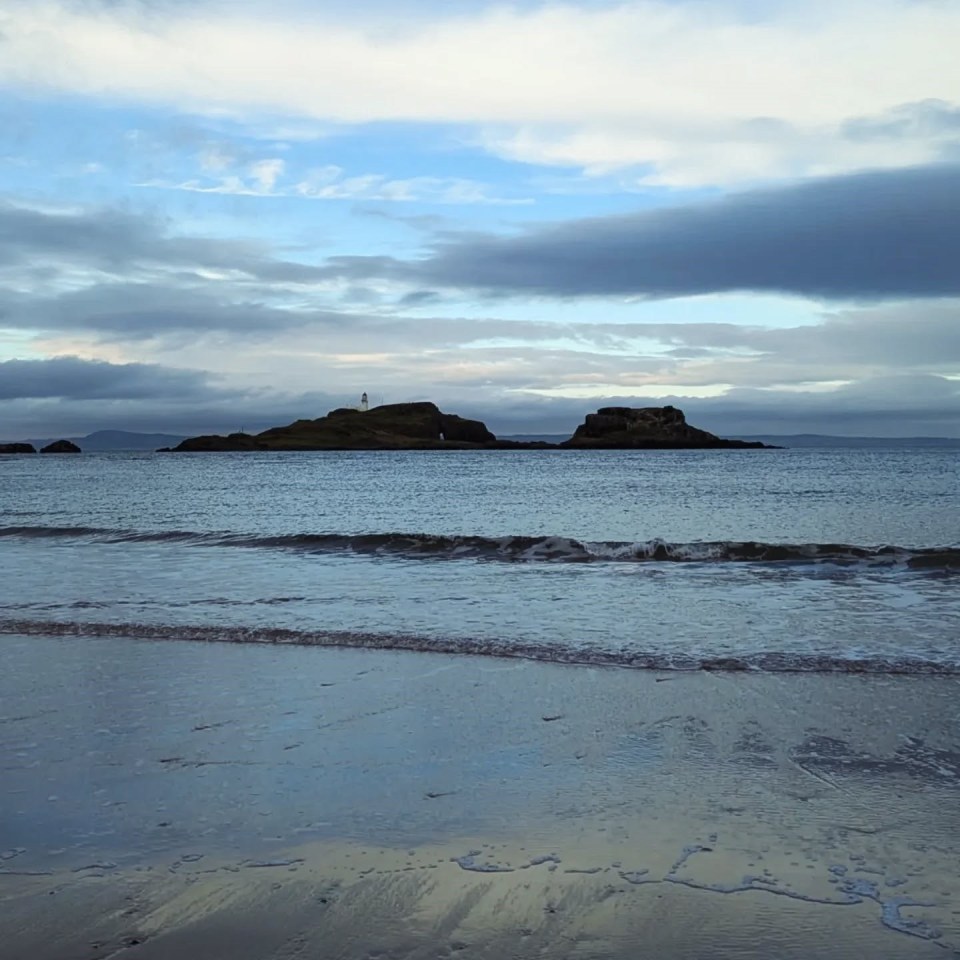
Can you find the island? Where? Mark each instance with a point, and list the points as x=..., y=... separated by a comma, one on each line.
x=17, y=448
x=647, y=428
x=61, y=446
x=423, y=426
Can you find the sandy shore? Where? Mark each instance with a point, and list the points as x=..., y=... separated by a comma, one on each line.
x=190, y=800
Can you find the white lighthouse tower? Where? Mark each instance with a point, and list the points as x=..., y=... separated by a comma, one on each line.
x=364, y=405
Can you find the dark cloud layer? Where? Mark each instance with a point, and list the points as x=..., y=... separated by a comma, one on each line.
x=70, y=396
x=872, y=236
x=129, y=277
x=71, y=378
x=141, y=310
x=121, y=243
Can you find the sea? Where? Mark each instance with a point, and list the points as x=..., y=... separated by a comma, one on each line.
x=826, y=559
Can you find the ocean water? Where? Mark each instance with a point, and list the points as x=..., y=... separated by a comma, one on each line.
x=782, y=560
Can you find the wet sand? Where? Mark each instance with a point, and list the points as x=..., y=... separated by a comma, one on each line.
x=214, y=801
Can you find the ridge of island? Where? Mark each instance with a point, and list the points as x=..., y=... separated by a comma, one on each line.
x=423, y=426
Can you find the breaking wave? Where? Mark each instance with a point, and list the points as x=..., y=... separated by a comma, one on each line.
x=523, y=548
x=553, y=652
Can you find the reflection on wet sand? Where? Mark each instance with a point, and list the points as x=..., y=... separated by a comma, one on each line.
x=361, y=804
x=494, y=899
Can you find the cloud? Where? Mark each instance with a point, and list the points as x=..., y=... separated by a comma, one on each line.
x=890, y=406
x=328, y=183
x=128, y=277
x=71, y=378
x=894, y=406
x=140, y=310
x=929, y=118
x=86, y=280
x=69, y=396
x=35, y=240
x=685, y=93
x=875, y=235
x=266, y=173
x=105, y=284
x=919, y=336
x=65, y=396
x=263, y=179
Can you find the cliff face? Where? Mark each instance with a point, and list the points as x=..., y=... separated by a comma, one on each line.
x=645, y=428
x=395, y=426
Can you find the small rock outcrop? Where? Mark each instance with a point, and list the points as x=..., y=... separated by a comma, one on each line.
x=17, y=448
x=61, y=446
x=639, y=428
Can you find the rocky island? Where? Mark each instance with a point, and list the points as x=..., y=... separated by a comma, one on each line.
x=423, y=426
x=61, y=446
x=58, y=446
x=645, y=428
x=395, y=426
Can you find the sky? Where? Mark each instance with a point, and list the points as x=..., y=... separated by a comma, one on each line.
x=220, y=215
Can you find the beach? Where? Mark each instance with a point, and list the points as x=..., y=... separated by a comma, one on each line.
x=169, y=799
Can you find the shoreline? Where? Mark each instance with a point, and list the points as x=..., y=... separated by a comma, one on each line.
x=766, y=663
x=264, y=801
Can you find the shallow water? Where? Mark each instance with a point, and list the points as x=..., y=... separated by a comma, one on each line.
x=247, y=798
x=781, y=559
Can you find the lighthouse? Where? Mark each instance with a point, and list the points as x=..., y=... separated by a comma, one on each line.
x=363, y=403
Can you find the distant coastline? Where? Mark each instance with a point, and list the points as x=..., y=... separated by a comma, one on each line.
x=833, y=440
x=128, y=441
x=790, y=439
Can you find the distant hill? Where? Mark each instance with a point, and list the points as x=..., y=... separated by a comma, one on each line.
x=104, y=441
